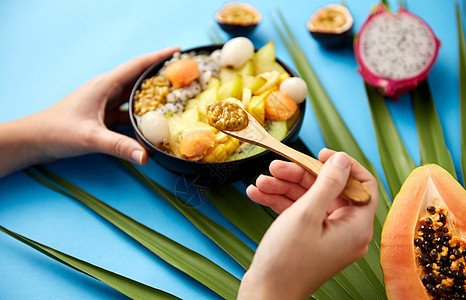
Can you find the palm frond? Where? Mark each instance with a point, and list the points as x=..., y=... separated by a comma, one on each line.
x=184, y=259
x=226, y=240
x=126, y=286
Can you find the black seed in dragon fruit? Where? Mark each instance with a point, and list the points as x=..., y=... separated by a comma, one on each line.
x=395, y=51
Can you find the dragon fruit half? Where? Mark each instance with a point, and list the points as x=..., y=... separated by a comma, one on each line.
x=395, y=51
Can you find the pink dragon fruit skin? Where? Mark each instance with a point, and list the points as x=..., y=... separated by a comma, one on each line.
x=392, y=63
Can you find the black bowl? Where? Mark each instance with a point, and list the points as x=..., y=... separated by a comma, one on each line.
x=237, y=29
x=204, y=172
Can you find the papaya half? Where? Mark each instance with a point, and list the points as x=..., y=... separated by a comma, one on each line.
x=423, y=248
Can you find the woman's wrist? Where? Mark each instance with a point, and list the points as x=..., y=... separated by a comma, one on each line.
x=261, y=286
x=20, y=145
x=252, y=288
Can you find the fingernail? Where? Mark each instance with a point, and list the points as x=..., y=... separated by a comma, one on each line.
x=136, y=156
x=340, y=160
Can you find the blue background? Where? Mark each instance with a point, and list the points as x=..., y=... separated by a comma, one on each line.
x=50, y=48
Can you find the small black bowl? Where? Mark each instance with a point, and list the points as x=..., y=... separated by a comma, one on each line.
x=206, y=172
x=332, y=37
x=237, y=28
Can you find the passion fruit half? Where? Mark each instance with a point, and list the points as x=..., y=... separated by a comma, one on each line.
x=237, y=18
x=331, y=25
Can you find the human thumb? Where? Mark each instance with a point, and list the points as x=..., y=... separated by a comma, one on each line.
x=121, y=146
x=329, y=184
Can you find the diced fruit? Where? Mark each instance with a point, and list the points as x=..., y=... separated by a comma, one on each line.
x=182, y=72
x=264, y=60
x=222, y=137
x=231, y=88
x=234, y=100
x=271, y=80
x=247, y=68
x=231, y=145
x=191, y=114
x=224, y=147
x=247, y=94
x=227, y=74
x=213, y=82
x=282, y=77
x=253, y=82
x=279, y=106
x=195, y=144
x=188, y=120
x=208, y=97
x=257, y=106
x=277, y=129
x=216, y=154
x=190, y=104
x=245, y=150
x=294, y=118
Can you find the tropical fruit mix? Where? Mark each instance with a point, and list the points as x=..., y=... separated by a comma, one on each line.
x=170, y=108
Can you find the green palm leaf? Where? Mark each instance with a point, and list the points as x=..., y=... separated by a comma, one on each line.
x=332, y=289
x=226, y=240
x=462, y=81
x=431, y=141
x=126, y=286
x=396, y=161
x=192, y=263
x=250, y=218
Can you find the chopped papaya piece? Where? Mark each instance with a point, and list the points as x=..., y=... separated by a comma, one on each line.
x=279, y=106
x=182, y=72
x=195, y=144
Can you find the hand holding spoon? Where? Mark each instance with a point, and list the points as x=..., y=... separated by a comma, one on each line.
x=248, y=129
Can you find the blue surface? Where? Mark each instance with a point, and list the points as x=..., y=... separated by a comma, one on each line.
x=50, y=48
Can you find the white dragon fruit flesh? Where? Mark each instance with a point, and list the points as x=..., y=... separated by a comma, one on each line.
x=395, y=51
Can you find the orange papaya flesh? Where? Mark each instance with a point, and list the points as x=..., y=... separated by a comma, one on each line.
x=423, y=246
x=279, y=106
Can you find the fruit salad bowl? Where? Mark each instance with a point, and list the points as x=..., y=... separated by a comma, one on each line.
x=245, y=161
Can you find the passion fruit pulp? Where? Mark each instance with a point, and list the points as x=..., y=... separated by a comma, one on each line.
x=331, y=25
x=237, y=18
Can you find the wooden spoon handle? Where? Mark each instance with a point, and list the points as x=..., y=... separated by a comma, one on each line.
x=354, y=191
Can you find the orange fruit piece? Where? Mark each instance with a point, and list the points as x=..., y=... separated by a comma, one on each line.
x=279, y=106
x=182, y=72
x=195, y=144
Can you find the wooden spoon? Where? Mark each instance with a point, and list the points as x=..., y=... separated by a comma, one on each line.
x=354, y=192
